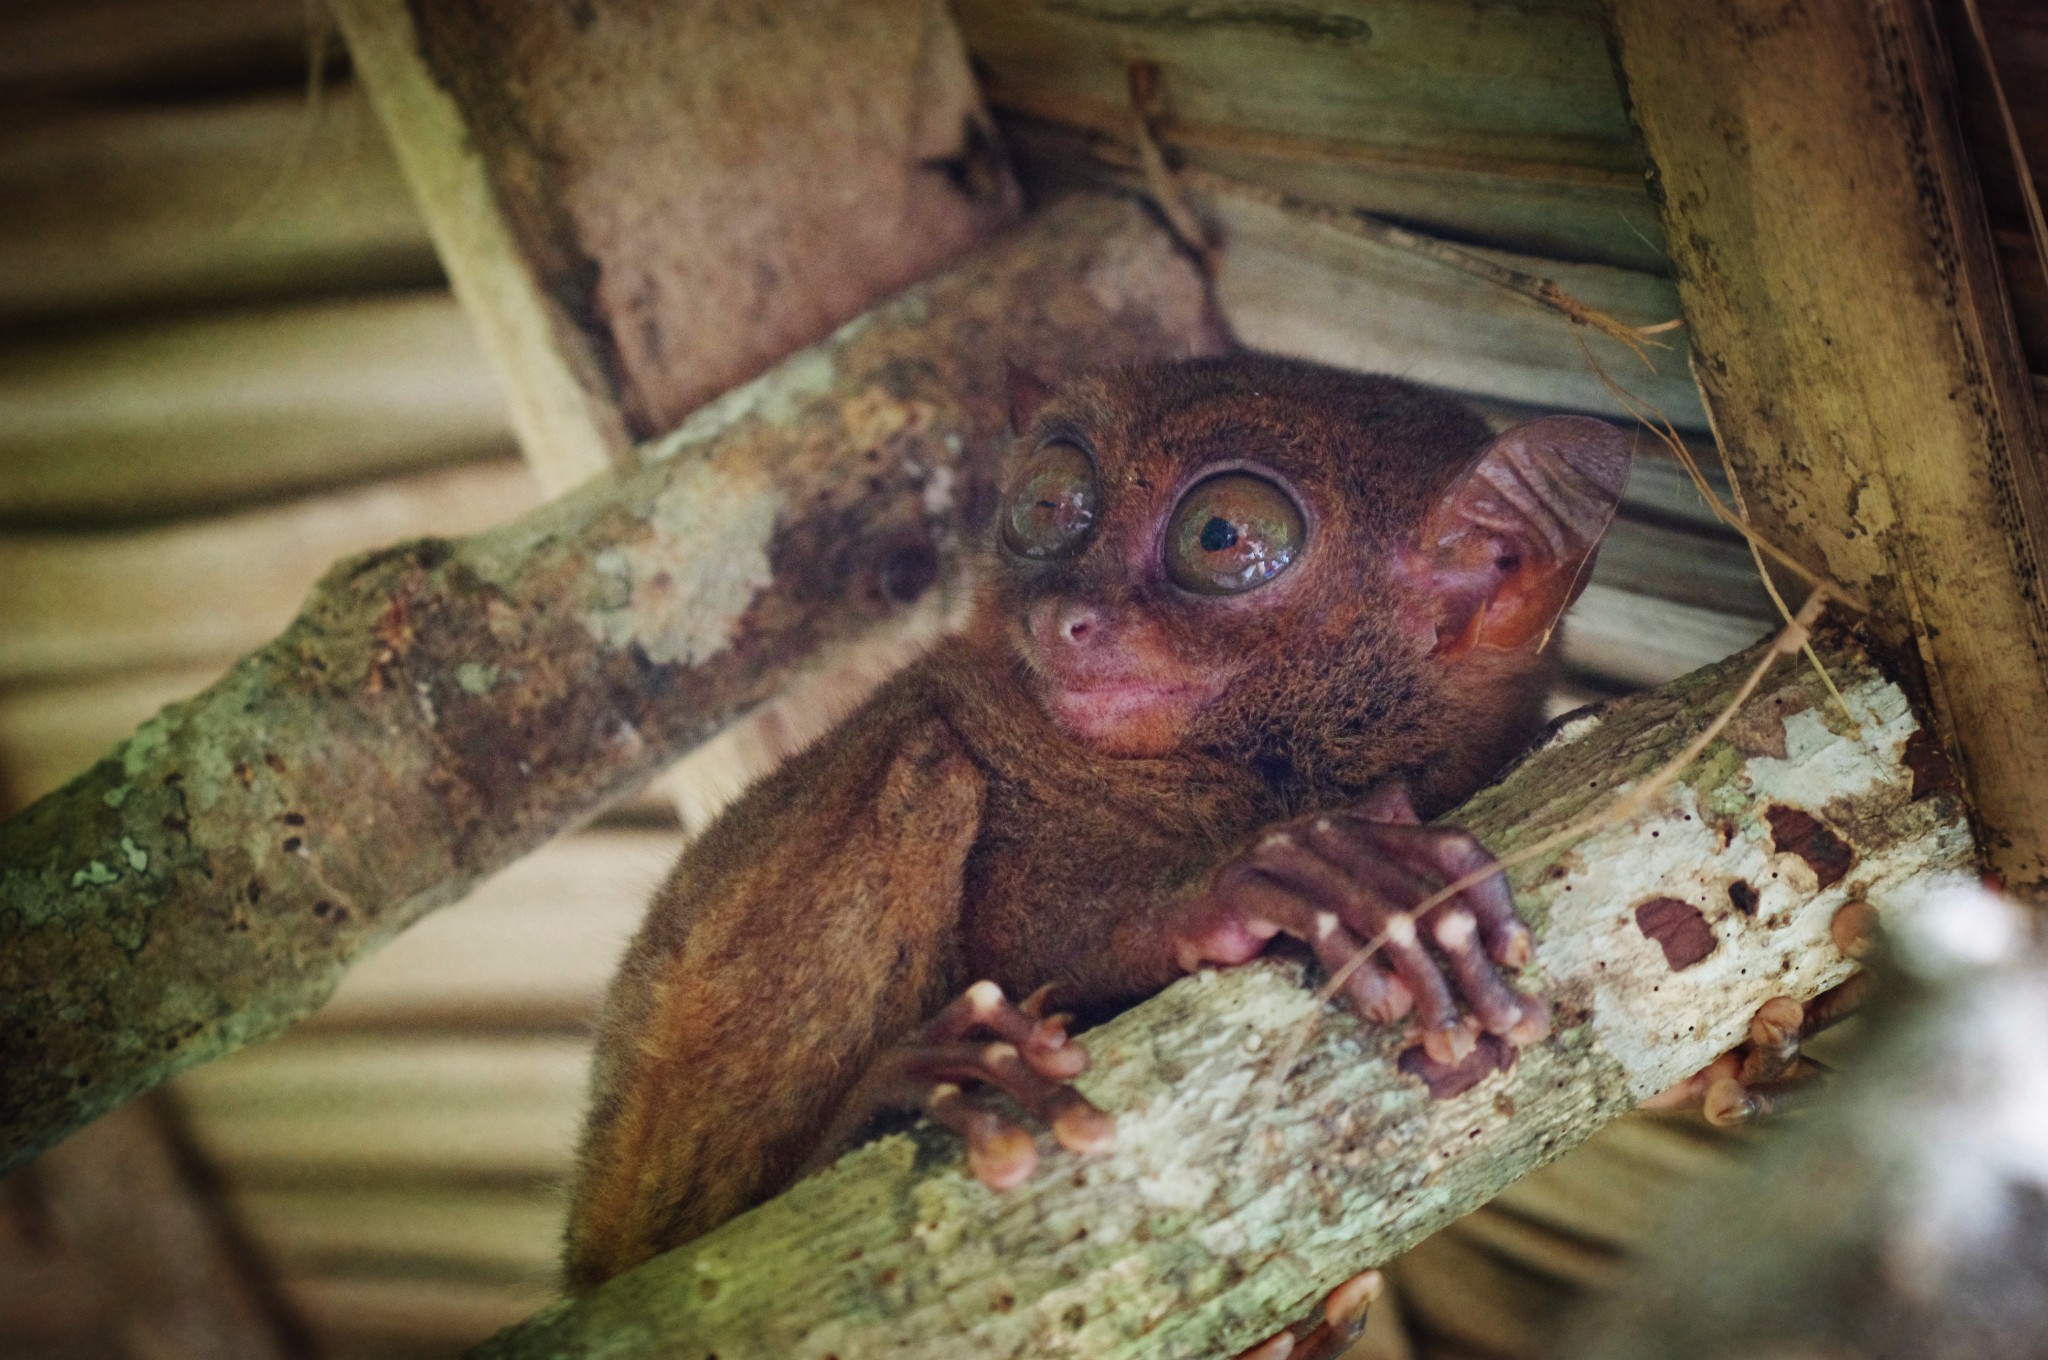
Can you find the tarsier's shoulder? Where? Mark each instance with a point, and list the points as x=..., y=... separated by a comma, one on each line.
x=891, y=779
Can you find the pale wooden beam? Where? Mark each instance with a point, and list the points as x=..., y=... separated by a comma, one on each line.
x=443, y=706
x=184, y=415
x=642, y=206
x=113, y=210
x=1230, y=1203
x=1500, y=123
x=1854, y=344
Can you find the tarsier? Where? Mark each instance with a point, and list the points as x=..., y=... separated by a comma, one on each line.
x=1244, y=623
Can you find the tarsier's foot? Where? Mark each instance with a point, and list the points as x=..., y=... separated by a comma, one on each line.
x=982, y=1038
x=1766, y=1075
x=1338, y=880
x=1330, y=1333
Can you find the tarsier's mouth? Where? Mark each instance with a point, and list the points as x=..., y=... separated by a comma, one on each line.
x=1120, y=711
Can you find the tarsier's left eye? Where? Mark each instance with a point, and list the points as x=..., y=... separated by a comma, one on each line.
x=1231, y=533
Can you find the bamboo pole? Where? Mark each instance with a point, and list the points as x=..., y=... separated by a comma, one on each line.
x=1231, y=1202
x=1855, y=349
x=441, y=707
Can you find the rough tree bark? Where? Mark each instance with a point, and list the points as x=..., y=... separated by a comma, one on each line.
x=1228, y=1207
x=441, y=707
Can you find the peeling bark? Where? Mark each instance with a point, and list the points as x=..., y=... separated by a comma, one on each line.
x=440, y=707
x=1226, y=1210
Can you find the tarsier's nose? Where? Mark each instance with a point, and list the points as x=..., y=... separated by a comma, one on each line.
x=1076, y=623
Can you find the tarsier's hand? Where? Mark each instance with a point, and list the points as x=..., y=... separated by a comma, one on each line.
x=982, y=1039
x=1338, y=880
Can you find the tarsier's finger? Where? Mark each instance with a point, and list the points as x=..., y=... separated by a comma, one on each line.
x=1391, y=895
x=1279, y=1347
x=1496, y=1005
x=1341, y=1323
x=1343, y=1318
x=1454, y=855
x=1774, y=1034
x=1374, y=992
x=1838, y=1003
x=1730, y=1103
x=1000, y=1155
x=1304, y=906
x=1691, y=1092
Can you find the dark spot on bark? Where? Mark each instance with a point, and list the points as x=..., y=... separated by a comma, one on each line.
x=322, y=907
x=275, y=763
x=1004, y=1303
x=244, y=773
x=1075, y=1318
x=173, y=779
x=1795, y=832
x=254, y=892
x=888, y=1277
x=1444, y=1081
x=175, y=824
x=977, y=170
x=295, y=819
x=907, y=572
x=1929, y=763
x=340, y=915
x=1742, y=897
x=1679, y=930
x=708, y=1288
x=292, y=844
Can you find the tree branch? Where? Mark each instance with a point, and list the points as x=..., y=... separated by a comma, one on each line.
x=1229, y=1204
x=439, y=708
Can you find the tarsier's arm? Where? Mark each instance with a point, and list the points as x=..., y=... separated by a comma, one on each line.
x=808, y=930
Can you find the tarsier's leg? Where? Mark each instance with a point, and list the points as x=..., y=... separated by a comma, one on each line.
x=1341, y=879
x=1769, y=1073
x=982, y=1038
x=1334, y=1329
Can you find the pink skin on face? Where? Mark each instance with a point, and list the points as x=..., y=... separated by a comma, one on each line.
x=1096, y=685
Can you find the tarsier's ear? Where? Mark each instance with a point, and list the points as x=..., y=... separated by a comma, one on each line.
x=1027, y=394
x=1508, y=545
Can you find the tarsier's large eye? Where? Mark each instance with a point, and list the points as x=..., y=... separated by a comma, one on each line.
x=1052, y=502
x=1231, y=533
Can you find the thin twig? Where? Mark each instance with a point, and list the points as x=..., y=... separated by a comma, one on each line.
x=1168, y=189
x=2037, y=225
x=1143, y=78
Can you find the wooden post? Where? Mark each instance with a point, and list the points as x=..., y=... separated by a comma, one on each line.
x=1855, y=348
x=442, y=706
x=644, y=205
x=1232, y=1202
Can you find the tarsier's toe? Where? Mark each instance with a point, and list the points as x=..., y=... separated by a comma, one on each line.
x=1769, y=1074
x=1030, y=1059
x=1342, y=1321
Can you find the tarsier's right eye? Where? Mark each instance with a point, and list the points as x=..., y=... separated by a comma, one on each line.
x=1052, y=501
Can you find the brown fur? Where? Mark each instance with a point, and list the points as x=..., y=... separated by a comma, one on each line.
x=950, y=830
